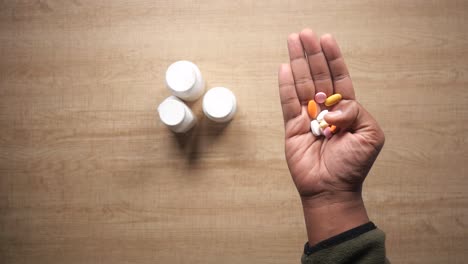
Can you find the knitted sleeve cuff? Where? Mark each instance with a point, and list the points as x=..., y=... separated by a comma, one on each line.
x=335, y=240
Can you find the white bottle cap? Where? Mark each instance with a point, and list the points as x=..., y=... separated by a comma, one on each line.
x=219, y=104
x=176, y=115
x=184, y=80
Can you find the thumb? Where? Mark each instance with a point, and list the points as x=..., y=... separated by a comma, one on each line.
x=349, y=115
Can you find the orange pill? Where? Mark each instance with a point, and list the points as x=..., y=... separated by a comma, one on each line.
x=333, y=129
x=312, y=109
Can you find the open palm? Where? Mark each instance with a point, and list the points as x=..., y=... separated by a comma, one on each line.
x=318, y=165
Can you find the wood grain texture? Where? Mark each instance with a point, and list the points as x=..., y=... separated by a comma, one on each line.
x=88, y=174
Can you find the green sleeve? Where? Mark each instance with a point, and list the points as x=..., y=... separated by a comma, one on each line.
x=365, y=248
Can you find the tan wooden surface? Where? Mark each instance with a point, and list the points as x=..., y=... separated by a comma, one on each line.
x=89, y=175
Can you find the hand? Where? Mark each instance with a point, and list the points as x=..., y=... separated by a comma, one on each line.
x=327, y=173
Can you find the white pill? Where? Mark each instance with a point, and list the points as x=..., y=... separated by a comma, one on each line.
x=184, y=80
x=322, y=115
x=315, y=128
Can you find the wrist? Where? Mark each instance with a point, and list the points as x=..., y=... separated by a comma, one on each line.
x=330, y=214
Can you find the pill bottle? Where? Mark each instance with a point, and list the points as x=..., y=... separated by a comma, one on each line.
x=176, y=115
x=219, y=104
x=184, y=80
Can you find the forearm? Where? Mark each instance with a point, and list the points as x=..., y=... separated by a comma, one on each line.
x=331, y=214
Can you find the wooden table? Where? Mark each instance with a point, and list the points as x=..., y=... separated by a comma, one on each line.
x=88, y=174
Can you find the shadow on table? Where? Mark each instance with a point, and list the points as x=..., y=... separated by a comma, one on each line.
x=205, y=132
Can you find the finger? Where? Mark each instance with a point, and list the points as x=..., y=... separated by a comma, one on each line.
x=300, y=69
x=317, y=62
x=339, y=71
x=288, y=96
x=349, y=115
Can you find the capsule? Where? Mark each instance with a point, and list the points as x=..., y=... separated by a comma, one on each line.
x=333, y=99
x=315, y=128
x=323, y=124
x=312, y=109
x=321, y=116
x=327, y=133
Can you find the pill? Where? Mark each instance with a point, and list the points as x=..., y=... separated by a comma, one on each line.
x=333, y=99
x=315, y=128
x=312, y=109
x=333, y=129
x=320, y=97
x=323, y=124
x=321, y=115
x=327, y=133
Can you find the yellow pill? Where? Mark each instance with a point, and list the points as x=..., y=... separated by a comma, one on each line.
x=333, y=99
x=323, y=124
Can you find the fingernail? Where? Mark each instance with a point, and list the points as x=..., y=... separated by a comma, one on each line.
x=334, y=114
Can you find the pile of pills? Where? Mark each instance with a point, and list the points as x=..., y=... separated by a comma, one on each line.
x=318, y=125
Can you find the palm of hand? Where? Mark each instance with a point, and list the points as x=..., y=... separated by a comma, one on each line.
x=320, y=165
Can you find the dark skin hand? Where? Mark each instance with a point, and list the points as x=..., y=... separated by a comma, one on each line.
x=328, y=173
